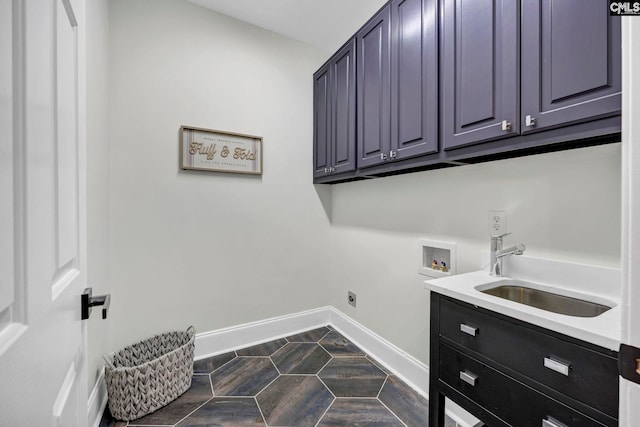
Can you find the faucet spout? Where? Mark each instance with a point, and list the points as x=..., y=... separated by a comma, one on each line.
x=497, y=253
x=513, y=250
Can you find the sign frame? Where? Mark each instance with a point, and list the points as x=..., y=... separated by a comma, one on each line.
x=212, y=150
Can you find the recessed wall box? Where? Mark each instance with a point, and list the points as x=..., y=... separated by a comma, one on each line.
x=437, y=259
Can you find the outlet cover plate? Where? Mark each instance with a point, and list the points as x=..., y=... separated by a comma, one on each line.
x=497, y=223
x=351, y=298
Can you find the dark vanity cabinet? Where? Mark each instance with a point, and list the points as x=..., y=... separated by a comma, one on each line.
x=334, y=114
x=507, y=372
x=510, y=68
x=398, y=83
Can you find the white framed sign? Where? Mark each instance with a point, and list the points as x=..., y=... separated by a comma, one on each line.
x=218, y=151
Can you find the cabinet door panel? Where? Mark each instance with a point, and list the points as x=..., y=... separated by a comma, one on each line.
x=479, y=70
x=414, y=67
x=570, y=62
x=344, y=119
x=475, y=55
x=321, y=122
x=373, y=90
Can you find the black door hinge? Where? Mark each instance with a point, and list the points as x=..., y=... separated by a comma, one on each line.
x=629, y=363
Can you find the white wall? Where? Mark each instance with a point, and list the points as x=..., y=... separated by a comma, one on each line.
x=563, y=205
x=209, y=249
x=98, y=195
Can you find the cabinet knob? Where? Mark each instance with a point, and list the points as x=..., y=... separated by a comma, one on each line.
x=552, y=422
x=530, y=121
x=383, y=156
x=506, y=126
x=554, y=365
x=468, y=377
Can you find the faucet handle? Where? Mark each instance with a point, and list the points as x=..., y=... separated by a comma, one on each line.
x=499, y=236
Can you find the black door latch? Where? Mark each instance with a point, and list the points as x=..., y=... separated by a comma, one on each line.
x=88, y=301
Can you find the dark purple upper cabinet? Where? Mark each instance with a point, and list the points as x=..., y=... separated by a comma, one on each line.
x=414, y=78
x=343, y=119
x=334, y=114
x=373, y=105
x=571, y=62
x=321, y=122
x=479, y=71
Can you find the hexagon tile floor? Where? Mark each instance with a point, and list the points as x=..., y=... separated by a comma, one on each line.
x=316, y=378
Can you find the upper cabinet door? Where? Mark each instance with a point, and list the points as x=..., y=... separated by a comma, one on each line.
x=321, y=122
x=414, y=78
x=479, y=71
x=374, y=91
x=571, y=62
x=343, y=129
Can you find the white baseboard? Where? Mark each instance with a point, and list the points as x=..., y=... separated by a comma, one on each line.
x=97, y=401
x=207, y=344
x=240, y=336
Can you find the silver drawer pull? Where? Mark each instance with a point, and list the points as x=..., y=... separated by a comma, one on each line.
x=554, y=365
x=471, y=330
x=468, y=377
x=552, y=422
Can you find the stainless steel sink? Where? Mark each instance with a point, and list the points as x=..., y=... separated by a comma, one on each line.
x=518, y=291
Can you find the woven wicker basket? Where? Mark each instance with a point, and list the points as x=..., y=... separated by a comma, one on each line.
x=146, y=376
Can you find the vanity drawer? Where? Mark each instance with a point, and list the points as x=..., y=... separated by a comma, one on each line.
x=506, y=398
x=581, y=373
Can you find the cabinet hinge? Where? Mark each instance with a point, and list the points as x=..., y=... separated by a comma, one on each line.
x=629, y=363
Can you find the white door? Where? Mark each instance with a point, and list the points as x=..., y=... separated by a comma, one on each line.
x=629, y=391
x=42, y=213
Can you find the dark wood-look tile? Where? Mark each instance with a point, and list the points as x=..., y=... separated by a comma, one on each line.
x=300, y=358
x=359, y=413
x=243, y=376
x=226, y=412
x=314, y=335
x=266, y=349
x=107, y=420
x=353, y=377
x=210, y=364
x=338, y=345
x=408, y=405
x=198, y=393
x=294, y=400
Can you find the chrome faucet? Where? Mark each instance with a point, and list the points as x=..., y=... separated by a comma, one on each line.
x=497, y=253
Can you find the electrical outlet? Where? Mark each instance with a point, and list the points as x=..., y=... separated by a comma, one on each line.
x=351, y=298
x=497, y=223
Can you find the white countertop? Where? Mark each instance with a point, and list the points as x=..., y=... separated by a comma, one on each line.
x=603, y=330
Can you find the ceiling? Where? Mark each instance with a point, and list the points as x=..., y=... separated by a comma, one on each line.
x=326, y=24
